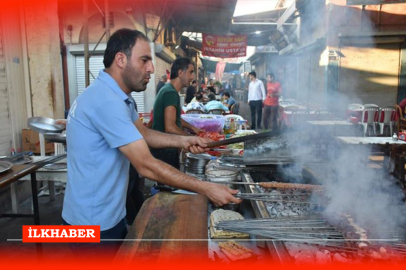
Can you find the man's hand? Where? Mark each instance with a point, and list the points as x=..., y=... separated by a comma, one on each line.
x=220, y=194
x=61, y=122
x=197, y=130
x=195, y=144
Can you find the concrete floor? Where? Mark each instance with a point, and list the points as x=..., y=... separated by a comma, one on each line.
x=11, y=229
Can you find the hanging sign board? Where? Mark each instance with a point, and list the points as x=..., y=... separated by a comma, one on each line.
x=224, y=46
x=373, y=2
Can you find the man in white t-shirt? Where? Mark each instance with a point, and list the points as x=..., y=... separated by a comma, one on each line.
x=256, y=96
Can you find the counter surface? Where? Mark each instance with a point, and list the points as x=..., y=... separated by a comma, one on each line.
x=171, y=218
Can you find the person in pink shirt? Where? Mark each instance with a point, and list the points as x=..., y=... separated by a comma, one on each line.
x=271, y=103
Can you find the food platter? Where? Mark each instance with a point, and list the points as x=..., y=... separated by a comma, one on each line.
x=5, y=166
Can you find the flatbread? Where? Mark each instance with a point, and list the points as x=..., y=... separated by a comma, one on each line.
x=224, y=215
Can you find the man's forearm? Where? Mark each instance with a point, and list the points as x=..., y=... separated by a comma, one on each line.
x=167, y=175
x=156, y=139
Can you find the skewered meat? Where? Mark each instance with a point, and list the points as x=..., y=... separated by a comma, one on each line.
x=235, y=251
x=291, y=186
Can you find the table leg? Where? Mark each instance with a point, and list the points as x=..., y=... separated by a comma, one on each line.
x=402, y=168
x=14, y=199
x=35, y=198
x=51, y=187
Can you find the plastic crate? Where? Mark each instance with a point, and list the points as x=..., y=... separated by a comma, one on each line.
x=207, y=122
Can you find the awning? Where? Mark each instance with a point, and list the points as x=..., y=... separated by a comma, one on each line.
x=210, y=66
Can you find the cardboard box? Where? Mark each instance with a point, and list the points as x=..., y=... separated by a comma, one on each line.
x=31, y=142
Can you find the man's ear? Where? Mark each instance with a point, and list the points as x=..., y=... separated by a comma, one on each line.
x=121, y=60
x=180, y=73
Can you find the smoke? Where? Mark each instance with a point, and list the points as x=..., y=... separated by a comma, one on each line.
x=370, y=196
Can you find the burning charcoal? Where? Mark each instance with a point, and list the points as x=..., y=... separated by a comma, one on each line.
x=274, y=212
x=323, y=258
x=339, y=258
x=362, y=245
x=279, y=206
x=286, y=213
x=376, y=255
x=304, y=257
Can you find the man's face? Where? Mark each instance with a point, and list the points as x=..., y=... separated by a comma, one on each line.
x=186, y=77
x=252, y=77
x=269, y=78
x=139, y=68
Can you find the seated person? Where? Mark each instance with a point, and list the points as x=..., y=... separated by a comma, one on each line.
x=196, y=103
x=402, y=105
x=212, y=89
x=229, y=100
x=213, y=104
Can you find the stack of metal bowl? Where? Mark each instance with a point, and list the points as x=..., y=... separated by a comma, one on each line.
x=222, y=175
x=195, y=164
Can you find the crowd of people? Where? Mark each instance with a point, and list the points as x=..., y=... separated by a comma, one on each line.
x=263, y=100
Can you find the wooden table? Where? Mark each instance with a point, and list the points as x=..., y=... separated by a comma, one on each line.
x=167, y=216
x=15, y=173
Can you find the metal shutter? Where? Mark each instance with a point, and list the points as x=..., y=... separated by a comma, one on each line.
x=5, y=124
x=160, y=69
x=95, y=65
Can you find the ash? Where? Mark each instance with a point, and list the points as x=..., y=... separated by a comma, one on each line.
x=294, y=204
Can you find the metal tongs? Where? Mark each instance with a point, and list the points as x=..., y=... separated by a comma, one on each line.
x=271, y=198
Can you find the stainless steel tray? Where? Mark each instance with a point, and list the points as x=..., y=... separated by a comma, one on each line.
x=45, y=125
x=55, y=137
x=5, y=166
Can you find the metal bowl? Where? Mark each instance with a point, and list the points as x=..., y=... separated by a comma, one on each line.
x=5, y=166
x=45, y=125
x=55, y=137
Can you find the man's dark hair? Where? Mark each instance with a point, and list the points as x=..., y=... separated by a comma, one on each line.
x=212, y=89
x=271, y=75
x=227, y=94
x=253, y=73
x=194, y=81
x=212, y=97
x=123, y=40
x=179, y=64
x=199, y=97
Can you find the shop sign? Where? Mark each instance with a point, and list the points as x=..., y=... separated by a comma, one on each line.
x=224, y=46
x=373, y=2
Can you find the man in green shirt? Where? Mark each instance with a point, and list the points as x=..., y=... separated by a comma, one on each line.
x=167, y=109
